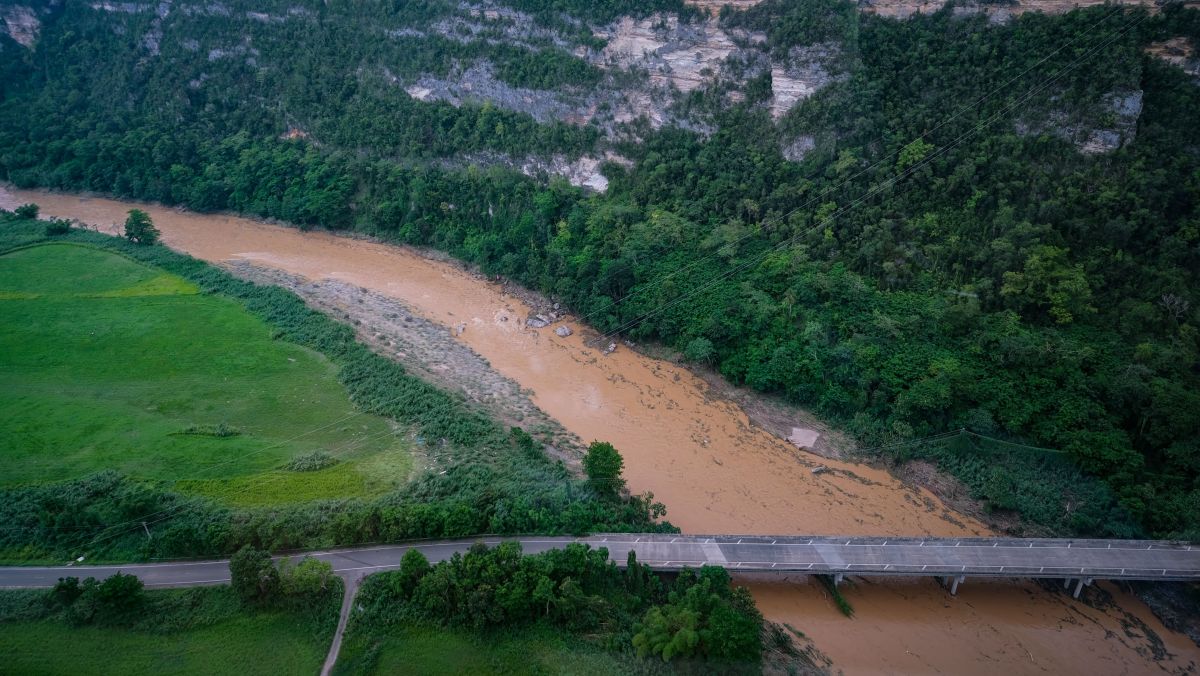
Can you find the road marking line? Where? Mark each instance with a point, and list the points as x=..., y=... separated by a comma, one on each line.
x=189, y=582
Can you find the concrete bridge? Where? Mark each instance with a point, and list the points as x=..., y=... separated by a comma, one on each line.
x=952, y=559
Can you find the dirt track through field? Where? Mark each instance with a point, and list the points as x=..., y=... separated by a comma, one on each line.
x=714, y=470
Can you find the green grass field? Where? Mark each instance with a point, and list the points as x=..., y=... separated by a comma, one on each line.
x=198, y=631
x=432, y=651
x=106, y=363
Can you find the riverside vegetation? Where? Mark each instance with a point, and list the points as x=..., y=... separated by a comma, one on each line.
x=126, y=354
x=1001, y=277
x=698, y=618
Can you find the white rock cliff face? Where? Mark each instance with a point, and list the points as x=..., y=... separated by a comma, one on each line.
x=21, y=24
x=687, y=57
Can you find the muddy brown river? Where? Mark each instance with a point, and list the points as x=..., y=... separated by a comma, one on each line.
x=715, y=471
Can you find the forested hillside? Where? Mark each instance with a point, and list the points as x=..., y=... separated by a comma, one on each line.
x=910, y=226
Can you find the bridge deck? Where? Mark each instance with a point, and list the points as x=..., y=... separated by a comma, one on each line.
x=994, y=557
x=984, y=557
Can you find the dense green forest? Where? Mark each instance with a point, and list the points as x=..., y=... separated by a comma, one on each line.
x=944, y=257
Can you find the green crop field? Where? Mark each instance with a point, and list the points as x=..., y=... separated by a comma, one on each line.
x=194, y=631
x=106, y=363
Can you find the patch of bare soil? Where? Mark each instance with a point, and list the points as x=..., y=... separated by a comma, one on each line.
x=1177, y=51
x=955, y=495
x=428, y=350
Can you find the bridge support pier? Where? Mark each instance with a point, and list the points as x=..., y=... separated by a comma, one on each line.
x=951, y=583
x=837, y=579
x=1079, y=585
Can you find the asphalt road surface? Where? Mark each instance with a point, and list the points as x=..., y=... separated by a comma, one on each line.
x=982, y=557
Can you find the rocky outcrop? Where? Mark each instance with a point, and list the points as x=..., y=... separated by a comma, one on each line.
x=478, y=84
x=687, y=56
x=996, y=12
x=21, y=24
x=806, y=70
x=798, y=148
x=1178, y=52
x=1111, y=125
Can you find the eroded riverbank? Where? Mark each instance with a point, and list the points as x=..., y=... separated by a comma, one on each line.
x=714, y=470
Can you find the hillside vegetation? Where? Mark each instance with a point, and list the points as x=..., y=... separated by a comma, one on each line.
x=957, y=224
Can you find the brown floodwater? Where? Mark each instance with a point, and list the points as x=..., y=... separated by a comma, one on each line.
x=715, y=471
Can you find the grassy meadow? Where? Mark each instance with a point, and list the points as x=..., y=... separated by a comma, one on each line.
x=193, y=631
x=107, y=363
x=433, y=650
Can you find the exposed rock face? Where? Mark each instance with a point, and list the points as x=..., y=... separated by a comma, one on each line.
x=121, y=7
x=686, y=57
x=477, y=84
x=1178, y=52
x=997, y=13
x=21, y=24
x=797, y=149
x=1119, y=111
x=1127, y=108
x=676, y=54
x=714, y=6
x=806, y=71
x=583, y=172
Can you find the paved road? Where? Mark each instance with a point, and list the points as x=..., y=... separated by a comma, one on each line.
x=982, y=557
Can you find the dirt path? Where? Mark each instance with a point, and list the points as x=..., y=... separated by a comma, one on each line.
x=715, y=471
x=351, y=582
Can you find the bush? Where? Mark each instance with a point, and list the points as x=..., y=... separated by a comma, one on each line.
x=116, y=600
x=29, y=211
x=254, y=577
x=57, y=226
x=307, y=582
x=311, y=462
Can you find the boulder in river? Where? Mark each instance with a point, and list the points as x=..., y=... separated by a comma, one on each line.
x=562, y=331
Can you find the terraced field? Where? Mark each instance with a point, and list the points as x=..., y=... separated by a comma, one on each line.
x=106, y=363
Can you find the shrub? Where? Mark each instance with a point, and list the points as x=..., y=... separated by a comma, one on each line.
x=311, y=462
x=253, y=576
x=57, y=226
x=306, y=582
x=29, y=211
